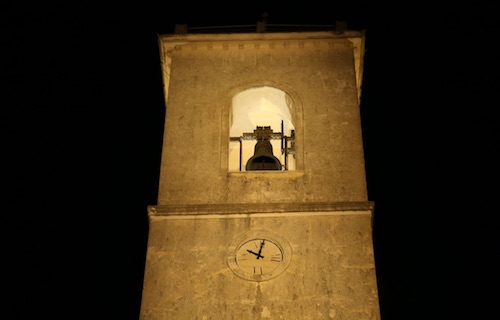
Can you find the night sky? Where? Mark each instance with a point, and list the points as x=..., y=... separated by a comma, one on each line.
x=81, y=130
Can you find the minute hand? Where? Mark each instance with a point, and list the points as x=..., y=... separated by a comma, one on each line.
x=260, y=250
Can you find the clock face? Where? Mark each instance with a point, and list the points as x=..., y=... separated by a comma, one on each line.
x=259, y=257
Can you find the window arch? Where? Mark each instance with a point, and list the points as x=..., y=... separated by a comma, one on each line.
x=259, y=114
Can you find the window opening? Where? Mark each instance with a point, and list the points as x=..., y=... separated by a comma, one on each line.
x=262, y=135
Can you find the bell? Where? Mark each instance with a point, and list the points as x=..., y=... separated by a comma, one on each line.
x=263, y=158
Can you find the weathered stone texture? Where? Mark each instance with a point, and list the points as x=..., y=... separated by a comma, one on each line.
x=331, y=275
x=318, y=74
x=321, y=208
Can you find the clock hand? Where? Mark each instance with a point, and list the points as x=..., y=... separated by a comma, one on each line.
x=260, y=250
x=255, y=253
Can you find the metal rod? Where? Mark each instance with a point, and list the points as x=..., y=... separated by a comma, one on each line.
x=241, y=152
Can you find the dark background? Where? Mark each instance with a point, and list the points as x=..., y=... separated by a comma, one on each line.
x=82, y=112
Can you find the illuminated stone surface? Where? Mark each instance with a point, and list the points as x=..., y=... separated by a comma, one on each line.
x=321, y=208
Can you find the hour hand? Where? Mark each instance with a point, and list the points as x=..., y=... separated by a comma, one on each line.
x=250, y=251
x=255, y=253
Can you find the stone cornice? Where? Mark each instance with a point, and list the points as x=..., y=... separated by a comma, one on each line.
x=239, y=41
x=250, y=208
x=261, y=44
x=260, y=36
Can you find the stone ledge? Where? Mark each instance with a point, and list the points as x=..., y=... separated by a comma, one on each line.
x=249, y=208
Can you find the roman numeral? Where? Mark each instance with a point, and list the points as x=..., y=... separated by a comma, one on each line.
x=257, y=270
x=276, y=258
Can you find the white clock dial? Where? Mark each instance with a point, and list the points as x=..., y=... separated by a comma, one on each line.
x=259, y=256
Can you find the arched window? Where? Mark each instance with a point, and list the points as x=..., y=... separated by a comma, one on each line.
x=262, y=133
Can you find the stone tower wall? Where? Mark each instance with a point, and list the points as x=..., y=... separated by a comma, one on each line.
x=319, y=75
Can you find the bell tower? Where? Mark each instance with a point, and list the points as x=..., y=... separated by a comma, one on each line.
x=262, y=208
